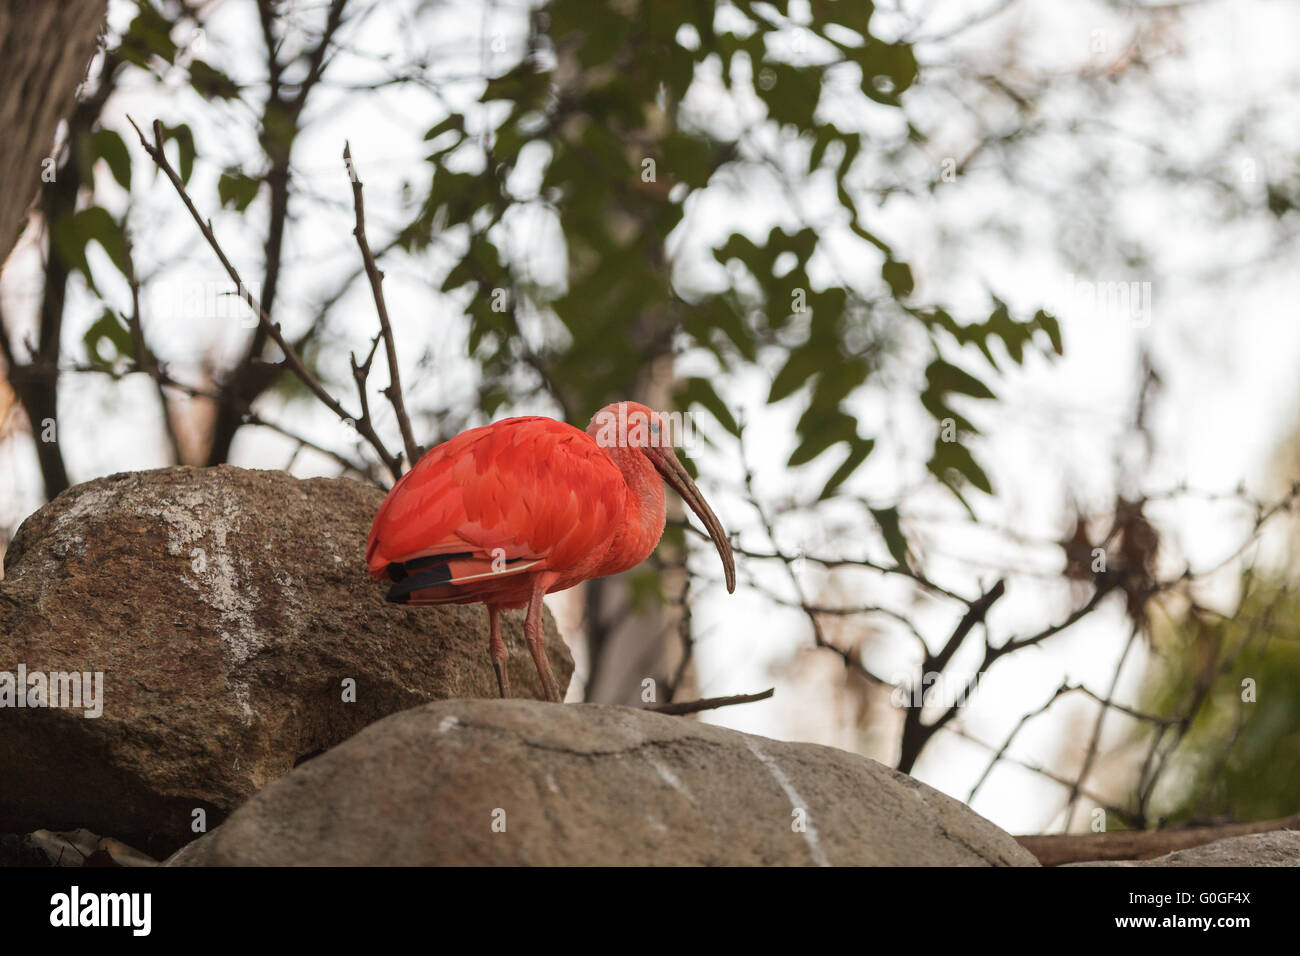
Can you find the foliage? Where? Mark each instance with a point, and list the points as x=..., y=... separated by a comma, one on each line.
x=1240, y=756
x=600, y=111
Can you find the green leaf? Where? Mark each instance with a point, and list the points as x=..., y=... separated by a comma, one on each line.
x=792, y=98
x=724, y=316
x=898, y=275
x=858, y=452
x=236, y=190
x=799, y=367
x=826, y=135
x=183, y=136
x=700, y=391
x=1049, y=324
x=888, y=69
x=687, y=158
x=603, y=28
x=108, y=330
x=945, y=377
x=932, y=401
x=523, y=86
x=952, y=487
x=953, y=457
x=211, y=83
x=92, y=224
x=854, y=14
x=888, y=520
x=454, y=121
x=148, y=35
x=107, y=145
x=820, y=429
x=1014, y=335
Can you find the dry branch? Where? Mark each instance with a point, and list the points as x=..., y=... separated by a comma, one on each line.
x=1057, y=848
x=292, y=360
x=710, y=703
x=394, y=390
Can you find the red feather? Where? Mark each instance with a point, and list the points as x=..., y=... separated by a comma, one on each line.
x=507, y=513
x=531, y=491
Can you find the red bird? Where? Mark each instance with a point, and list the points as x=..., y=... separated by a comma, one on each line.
x=509, y=512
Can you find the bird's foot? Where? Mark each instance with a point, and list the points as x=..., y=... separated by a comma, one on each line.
x=503, y=678
x=552, y=688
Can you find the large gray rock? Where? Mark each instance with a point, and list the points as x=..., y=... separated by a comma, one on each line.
x=1277, y=848
x=226, y=609
x=522, y=782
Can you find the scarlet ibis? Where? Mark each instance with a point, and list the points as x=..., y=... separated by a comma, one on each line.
x=524, y=507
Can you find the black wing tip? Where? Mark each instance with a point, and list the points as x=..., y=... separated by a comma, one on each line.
x=400, y=593
x=400, y=569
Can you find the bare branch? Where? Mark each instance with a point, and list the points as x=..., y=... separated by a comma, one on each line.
x=1057, y=848
x=710, y=703
x=394, y=390
x=291, y=358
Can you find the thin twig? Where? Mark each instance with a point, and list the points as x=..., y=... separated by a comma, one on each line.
x=1094, y=739
x=1061, y=691
x=852, y=661
x=146, y=360
x=291, y=358
x=376, y=277
x=916, y=733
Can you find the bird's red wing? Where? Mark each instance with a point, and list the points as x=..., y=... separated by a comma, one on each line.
x=502, y=499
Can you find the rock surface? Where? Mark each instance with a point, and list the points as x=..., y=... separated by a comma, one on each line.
x=1277, y=848
x=226, y=609
x=523, y=782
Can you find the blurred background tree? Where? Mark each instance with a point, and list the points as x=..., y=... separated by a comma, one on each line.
x=1237, y=754
x=1238, y=757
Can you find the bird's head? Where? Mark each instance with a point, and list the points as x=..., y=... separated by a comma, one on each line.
x=632, y=425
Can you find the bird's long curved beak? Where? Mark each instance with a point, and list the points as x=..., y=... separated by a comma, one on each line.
x=673, y=472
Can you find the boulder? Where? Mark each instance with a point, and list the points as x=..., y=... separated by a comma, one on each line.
x=232, y=621
x=1276, y=848
x=522, y=782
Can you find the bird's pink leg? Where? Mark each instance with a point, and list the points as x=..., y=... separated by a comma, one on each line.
x=537, y=639
x=500, y=653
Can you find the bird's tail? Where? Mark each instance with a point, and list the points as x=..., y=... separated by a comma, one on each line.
x=451, y=578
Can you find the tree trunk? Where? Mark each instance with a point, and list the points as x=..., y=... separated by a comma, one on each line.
x=44, y=51
x=623, y=649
